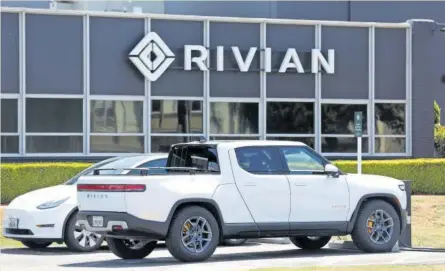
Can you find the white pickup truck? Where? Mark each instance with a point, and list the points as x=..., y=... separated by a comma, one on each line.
x=211, y=191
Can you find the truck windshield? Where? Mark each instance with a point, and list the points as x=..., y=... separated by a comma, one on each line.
x=202, y=157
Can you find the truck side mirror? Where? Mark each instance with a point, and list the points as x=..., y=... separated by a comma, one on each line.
x=332, y=170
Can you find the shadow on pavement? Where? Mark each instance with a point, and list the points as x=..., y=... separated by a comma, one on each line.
x=63, y=250
x=242, y=256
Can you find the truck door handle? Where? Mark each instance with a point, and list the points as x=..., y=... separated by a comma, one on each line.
x=300, y=184
x=250, y=184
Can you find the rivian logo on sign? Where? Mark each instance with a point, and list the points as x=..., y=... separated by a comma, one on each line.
x=153, y=57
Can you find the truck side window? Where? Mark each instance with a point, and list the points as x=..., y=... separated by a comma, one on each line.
x=300, y=159
x=259, y=160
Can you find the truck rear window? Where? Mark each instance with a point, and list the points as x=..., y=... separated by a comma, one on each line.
x=203, y=157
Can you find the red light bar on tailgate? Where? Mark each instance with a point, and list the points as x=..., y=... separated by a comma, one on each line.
x=111, y=187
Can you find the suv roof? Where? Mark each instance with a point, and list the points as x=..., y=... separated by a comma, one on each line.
x=242, y=143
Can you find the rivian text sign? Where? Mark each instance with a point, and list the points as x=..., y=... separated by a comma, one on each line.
x=152, y=57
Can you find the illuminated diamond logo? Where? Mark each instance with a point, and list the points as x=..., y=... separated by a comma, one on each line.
x=152, y=56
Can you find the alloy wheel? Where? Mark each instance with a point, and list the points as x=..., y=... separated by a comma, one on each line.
x=85, y=238
x=196, y=234
x=380, y=227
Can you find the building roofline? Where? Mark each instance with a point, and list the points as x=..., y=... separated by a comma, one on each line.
x=203, y=18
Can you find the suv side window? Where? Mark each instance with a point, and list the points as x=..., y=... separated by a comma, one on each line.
x=259, y=160
x=301, y=159
x=154, y=163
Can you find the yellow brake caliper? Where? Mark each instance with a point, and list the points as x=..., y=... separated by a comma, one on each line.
x=370, y=224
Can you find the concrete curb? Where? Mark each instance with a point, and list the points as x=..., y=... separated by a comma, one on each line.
x=279, y=241
x=350, y=245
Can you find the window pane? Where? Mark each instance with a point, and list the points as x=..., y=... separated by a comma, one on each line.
x=176, y=117
x=339, y=118
x=163, y=143
x=389, y=119
x=10, y=144
x=298, y=158
x=290, y=118
x=116, y=144
x=342, y=144
x=259, y=159
x=54, y=144
x=390, y=145
x=54, y=115
x=233, y=118
x=117, y=116
x=9, y=116
x=310, y=141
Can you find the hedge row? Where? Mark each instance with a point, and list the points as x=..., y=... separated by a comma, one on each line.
x=428, y=174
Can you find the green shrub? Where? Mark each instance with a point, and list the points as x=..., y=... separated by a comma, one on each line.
x=17, y=179
x=428, y=175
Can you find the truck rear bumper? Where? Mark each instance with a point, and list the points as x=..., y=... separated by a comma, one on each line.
x=121, y=225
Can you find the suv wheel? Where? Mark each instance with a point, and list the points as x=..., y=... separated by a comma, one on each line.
x=377, y=228
x=310, y=242
x=36, y=245
x=131, y=249
x=193, y=235
x=81, y=240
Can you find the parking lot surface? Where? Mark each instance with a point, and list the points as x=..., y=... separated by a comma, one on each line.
x=249, y=256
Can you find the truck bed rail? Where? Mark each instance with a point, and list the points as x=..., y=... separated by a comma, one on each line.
x=144, y=171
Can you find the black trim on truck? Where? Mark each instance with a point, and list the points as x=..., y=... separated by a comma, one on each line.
x=390, y=198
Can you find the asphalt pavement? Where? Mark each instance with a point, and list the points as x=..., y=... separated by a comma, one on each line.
x=249, y=256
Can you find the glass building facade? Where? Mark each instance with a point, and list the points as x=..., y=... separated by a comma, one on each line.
x=69, y=89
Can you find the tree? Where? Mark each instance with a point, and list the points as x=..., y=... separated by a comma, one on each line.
x=436, y=113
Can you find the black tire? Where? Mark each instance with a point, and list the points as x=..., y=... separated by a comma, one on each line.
x=174, y=237
x=121, y=249
x=360, y=234
x=36, y=244
x=73, y=244
x=234, y=242
x=310, y=243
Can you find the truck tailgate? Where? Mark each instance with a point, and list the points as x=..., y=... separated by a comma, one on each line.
x=103, y=193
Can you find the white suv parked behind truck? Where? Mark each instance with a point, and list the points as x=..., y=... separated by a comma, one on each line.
x=211, y=191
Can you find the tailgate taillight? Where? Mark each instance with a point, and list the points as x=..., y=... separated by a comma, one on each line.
x=111, y=187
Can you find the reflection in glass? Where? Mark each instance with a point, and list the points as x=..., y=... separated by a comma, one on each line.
x=290, y=118
x=342, y=144
x=310, y=141
x=9, y=117
x=163, y=143
x=46, y=115
x=233, y=118
x=117, y=144
x=339, y=118
x=54, y=144
x=390, y=119
x=170, y=116
x=390, y=145
x=116, y=116
x=9, y=144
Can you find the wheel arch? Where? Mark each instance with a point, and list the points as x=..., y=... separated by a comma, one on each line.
x=389, y=198
x=67, y=218
x=209, y=204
